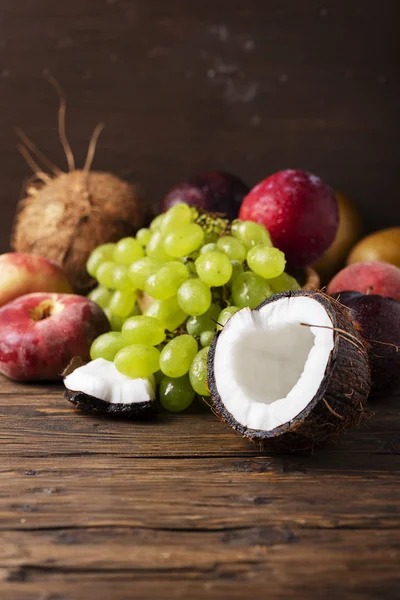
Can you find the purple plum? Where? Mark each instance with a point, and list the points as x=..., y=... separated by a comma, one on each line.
x=378, y=320
x=214, y=191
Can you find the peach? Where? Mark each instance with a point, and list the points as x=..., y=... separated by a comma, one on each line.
x=41, y=333
x=22, y=273
x=368, y=277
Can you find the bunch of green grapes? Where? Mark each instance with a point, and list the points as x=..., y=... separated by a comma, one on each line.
x=198, y=271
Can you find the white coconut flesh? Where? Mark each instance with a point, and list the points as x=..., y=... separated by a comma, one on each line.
x=100, y=378
x=267, y=366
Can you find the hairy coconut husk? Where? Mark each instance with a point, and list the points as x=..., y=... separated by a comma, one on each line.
x=68, y=216
x=64, y=216
x=340, y=401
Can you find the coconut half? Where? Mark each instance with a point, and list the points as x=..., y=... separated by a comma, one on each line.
x=98, y=387
x=292, y=372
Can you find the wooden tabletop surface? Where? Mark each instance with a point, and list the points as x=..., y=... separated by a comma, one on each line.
x=182, y=507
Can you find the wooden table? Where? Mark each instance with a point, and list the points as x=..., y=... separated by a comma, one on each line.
x=184, y=508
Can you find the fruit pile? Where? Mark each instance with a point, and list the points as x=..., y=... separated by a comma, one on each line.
x=193, y=304
x=193, y=270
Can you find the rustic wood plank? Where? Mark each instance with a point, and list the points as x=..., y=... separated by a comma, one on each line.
x=219, y=525
x=213, y=493
x=229, y=564
x=183, y=507
x=42, y=412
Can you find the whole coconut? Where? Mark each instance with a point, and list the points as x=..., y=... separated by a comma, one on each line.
x=65, y=217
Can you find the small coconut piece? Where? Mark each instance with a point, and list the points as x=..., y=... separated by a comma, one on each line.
x=98, y=387
x=64, y=216
x=293, y=373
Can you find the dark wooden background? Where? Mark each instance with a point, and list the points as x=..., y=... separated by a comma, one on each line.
x=250, y=86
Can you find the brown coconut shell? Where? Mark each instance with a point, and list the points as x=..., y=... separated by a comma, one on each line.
x=340, y=401
x=92, y=405
x=66, y=218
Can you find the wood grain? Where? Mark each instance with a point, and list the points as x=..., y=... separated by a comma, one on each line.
x=182, y=507
x=183, y=86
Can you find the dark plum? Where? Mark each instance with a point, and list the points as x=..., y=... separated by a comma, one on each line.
x=345, y=297
x=214, y=191
x=378, y=320
x=300, y=212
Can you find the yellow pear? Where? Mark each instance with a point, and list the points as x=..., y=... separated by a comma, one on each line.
x=381, y=245
x=349, y=231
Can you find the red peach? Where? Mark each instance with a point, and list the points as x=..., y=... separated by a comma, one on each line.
x=41, y=333
x=22, y=273
x=368, y=277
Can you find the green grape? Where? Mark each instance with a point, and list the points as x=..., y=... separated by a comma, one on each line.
x=249, y=289
x=155, y=247
x=158, y=375
x=191, y=267
x=122, y=303
x=143, y=330
x=99, y=255
x=177, y=356
x=176, y=394
x=178, y=269
x=141, y=269
x=194, y=297
x=115, y=322
x=143, y=236
x=106, y=346
x=210, y=237
x=127, y=251
x=101, y=296
x=184, y=240
x=232, y=247
x=211, y=247
x=138, y=360
x=283, y=283
x=177, y=216
x=266, y=261
x=250, y=233
x=105, y=274
x=206, y=337
x=225, y=315
x=214, y=268
x=161, y=285
x=237, y=269
x=121, y=280
x=198, y=373
x=165, y=283
x=168, y=312
x=206, y=322
x=157, y=222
